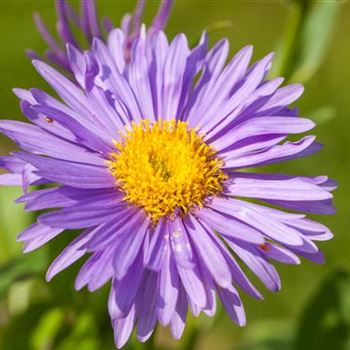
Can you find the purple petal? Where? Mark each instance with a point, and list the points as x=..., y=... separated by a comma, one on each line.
x=223, y=86
x=168, y=289
x=83, y=134
x=62, y=24
x=90, y=16
x=238, y=276
x=128, y=251
x=174, y=68
x=24, y=95
x=314, y=207
x=233, y=305
x=104, y=107
x=114, y=81
x=58, y=197
x=32, y=139
x=288, y=190
x=42, y=121
x=68, y=173
x=77, y=64
x=69, y=255
x=125, y=290
x=83, y=215
x=254, y=216
x=97, y=270
x=259, y=265
x=273, y=125
x=159, y=54
x=161, y=18
x=230, y=227
x=139, y=80
x=178, y=321
x=248, y=85
x=213, y=65
x=180, y=244
x=137, y=15
x=123, y=328
x=126, y=220
x=147, y=310
x=29, y=177
x=278, y=153
x=70, y=93
x=45, y=33
x=317, y=258
x=311, y=229
x=116, y=42
x=10, y=179
x=193, y=284
x=280, y=254
x=158, y=247
x=37, y=235
x=209, y=252
x=283, y=97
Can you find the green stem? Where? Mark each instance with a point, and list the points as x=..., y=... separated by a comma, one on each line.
x=288, y=52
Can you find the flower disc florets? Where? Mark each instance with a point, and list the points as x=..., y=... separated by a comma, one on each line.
x=165, y=166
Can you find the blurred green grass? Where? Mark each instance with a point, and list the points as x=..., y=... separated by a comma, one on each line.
x=262, y=24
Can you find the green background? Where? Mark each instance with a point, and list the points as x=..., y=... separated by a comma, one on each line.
x=312, y=311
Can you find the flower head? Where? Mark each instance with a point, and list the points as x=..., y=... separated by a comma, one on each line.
x=166, y=168
x=149, y=158
x=91, y=26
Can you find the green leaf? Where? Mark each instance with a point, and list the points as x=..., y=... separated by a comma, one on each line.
x=16, y=333
x=268, y=335
x=306, y=38
x=323, y=114
x=314, y=39
x=48, y=327
x=325, y=322
x=12, y=221
x=21, y=268
x=83, y=334
x=19, y=294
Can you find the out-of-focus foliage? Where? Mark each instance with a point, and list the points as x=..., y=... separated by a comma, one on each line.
x=269, y=335
x=308, y=31
x=21, y=268
x=11, y=220
x=312, y=312
x=325, y=322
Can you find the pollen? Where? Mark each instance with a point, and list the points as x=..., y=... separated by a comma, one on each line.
x=166, y=168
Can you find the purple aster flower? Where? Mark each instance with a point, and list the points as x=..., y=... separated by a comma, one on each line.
x=90, y=25
x=148, y=159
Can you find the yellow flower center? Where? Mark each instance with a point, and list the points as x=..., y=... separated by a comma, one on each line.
x=165, y=167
